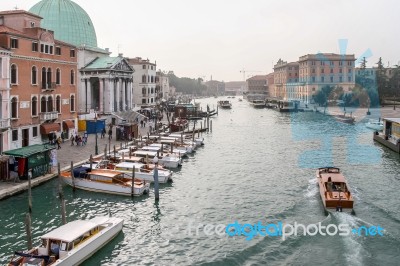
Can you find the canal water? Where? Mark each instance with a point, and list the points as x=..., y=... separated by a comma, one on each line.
x=256, y=165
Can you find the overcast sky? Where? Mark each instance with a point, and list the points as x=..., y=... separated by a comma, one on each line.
x=220, y=38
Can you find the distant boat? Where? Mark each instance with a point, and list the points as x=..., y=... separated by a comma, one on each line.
x=257, y=103
x=72, y=243
x=225, y=104
x=375, y=124
x=105, y=181
x=345, y=119
x=334, y=191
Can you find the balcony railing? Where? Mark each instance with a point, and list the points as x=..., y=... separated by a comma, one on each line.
x=49, y=86
x=4, y=123
x=49, y=116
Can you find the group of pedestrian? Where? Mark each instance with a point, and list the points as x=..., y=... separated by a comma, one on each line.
x=142, y=123
x=78, y=140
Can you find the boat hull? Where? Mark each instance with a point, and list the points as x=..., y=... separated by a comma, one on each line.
x=89, y=185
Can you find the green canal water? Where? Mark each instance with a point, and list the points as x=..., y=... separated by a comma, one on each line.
x=256, y=165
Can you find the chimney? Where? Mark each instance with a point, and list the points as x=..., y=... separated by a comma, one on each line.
x=120, y=55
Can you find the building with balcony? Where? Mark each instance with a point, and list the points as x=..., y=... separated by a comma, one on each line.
x=144, y=81
x=4, y=99
x=43, y=91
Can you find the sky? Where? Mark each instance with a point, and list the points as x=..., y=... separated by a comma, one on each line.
x=220, y=39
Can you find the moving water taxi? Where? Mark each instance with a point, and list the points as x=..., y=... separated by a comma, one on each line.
x=224, y=104
x=70, y=244
x=335, y=193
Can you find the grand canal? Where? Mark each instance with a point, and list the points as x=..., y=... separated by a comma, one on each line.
x=257, y=165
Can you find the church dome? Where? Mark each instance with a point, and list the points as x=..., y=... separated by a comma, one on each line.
x=70, y=23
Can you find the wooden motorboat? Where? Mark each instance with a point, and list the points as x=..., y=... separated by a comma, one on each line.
x=106, y=181
x=143, y=171
x=224, y=104
x=70, y=244
x=334, y=190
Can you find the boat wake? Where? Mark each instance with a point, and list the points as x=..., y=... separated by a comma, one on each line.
x=312, y=189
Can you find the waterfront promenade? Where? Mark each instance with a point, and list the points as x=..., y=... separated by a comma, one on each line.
x=67, y=153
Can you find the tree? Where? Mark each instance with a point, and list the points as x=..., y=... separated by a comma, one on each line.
x=382, y=85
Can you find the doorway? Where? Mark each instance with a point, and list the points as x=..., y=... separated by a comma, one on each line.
x=25, y=137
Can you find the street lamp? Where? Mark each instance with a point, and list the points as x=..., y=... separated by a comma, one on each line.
x=96, y=149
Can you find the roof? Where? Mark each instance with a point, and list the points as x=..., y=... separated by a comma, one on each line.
x=129, y=165
x=68, y=20
x=258, y=77
x=70, y=231
x=18, y=11
x=103, y=62
x=395, y=120
x=25, y=152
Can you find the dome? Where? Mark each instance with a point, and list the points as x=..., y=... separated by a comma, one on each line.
x=70, y=23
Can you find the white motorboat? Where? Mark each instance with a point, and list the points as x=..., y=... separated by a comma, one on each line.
x=72, y=243
x=106, y=181
x=258, y=103
x=179, y=137
x=142, y=171
x=168, y=160
x=375, y=125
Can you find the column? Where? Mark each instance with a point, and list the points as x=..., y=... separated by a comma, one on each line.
x=101, y=95
x=111, y=94
x=123, y=100
x=89, y=94
x=130, y=95
x=116, y=108
x=82, y=99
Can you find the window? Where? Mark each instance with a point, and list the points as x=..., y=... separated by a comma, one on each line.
x=42, y=48
x=50, y=104
x=331, y=70
x=322, y=63
x=340, y=70
x=340, y=79
x=34, y=132
x=34, y=75
x=35, y=47
x=51, y=49
x=313, y=70
x=14, y=107
x=322, y=79
x=46, y=49
x=14, y=74
x=58, y=104
x=144, y=66
x=72, y=53
x=313, y=63
x=349, y=63
x=72, y=101
x=349, y=70
x=349, y=79
x=144, y=91
x=331, y=63
x=43, y=103
x=58, y=76
x=312, y=79
x=14, y=43
x=331, y=79
x=143, y=101
x=72, y=81
x=49, y=78
x=15, y=135
x=34, y=106
x=58, y=50
x=144, y=79
x=44, y=76
x=322, y=70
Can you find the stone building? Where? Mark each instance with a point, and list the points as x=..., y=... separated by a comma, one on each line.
x=43, y=80
x=144, y=81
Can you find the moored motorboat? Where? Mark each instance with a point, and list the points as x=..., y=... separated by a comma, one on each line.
x=106, y=181
x=258, y=103
x=334, y=191
x=143, y=171
x=167, y=160
x=72, y=243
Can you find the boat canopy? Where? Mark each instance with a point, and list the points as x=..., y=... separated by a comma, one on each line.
x=129, y=165
x=71, y=231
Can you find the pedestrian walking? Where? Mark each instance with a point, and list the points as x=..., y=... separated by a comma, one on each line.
x=141, y=123
x=72, y=140
x=103, y=133
x=59, y=140
x=110, y=133
x=84, y=140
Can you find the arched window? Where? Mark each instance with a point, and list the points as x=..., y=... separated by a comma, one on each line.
x=72, y=77
x=144, y=79
x=152, y=79
x=58, y=103
x=72, y=103
x=44, y=78
x=144, y=91
x=58, y=76
x=148, y=78
x=14, y=107
x=152, y=90
x=50, y=104
x=49, y=78
x=43, y=103
x=34, y=106
x=14, y=74
x=34, y=75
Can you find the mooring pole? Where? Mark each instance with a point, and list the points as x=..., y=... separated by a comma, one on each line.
x=29, y=194
x=28, y=229
x=72, y=176
x=156, y=186
x=133, y=182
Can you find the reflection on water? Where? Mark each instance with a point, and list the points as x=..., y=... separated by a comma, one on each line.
x=257, y=165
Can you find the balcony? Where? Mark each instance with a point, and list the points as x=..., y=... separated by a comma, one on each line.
x=49, y=86
x=4, y=123
x=48, y=116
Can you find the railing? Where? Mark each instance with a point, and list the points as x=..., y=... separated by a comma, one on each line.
x=49, y=86
x=49, y=115
x=4, y=123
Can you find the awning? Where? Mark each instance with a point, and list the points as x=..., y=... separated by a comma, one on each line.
x=47, y=128
x=29, y=150
x=68, y=124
